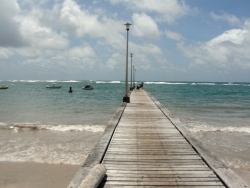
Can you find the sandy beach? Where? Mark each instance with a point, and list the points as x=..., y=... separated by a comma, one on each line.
x=244, y=173
x=30, y=175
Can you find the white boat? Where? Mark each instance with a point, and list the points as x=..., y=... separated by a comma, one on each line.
x=4, y=87
x=53, y=86
x=88, y=87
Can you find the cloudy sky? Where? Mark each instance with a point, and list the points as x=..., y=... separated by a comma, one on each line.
x=171, y=40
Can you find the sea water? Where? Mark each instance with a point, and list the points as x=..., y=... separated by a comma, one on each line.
x=58, y=127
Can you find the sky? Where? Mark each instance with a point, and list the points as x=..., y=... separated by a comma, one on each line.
x=171, y=40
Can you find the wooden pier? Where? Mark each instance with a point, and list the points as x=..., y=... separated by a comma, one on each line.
x=144, y=146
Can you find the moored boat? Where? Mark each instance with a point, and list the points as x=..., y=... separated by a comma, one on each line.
x=88, y=87
x=53, y=86
x=4, y=87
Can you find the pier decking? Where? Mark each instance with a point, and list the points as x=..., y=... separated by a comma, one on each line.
x=145, y=148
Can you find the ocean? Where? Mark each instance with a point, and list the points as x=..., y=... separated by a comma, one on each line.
x=54, y=126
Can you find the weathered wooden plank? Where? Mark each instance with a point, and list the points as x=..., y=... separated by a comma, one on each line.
x=128, y=186
x=151, y=158
x=173, y=162
x=204, y=174
x=119, y=152
x=142, y=183
x=157, y=172
x=150, y=168
x=164, y=179
x=153, y=166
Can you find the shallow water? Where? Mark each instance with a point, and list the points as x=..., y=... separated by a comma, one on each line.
x=43, y=146
x=54, y=126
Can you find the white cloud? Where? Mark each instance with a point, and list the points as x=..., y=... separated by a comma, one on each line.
x=79, y=22
x=231, y=19
x=174, y=36
x=226, y=52
x=40, y=36
x=145, y=26
x=167, y=10
x=114, y=61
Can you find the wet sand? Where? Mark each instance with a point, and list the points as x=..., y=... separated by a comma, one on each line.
x=244, y=173
x=30, y=175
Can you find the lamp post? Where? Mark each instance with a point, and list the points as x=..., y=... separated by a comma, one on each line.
x=134, y=75
x=131, y=87
x=126, y=97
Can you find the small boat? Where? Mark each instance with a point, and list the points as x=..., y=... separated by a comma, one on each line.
x=53, y=86
x=4, y=87
x=88, y=87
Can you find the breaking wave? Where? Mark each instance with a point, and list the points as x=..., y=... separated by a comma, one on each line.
x=205, y=128
x=170, y=83
x=52, y=127
x=108, y=82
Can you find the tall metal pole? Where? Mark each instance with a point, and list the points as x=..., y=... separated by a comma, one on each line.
x=133, y=76
x=131, y=87
x=126, y=98
x=126, y=88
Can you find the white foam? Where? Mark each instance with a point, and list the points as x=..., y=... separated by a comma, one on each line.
x=205, y=128
x=155, y=82
x=170, y=83
x=108, y=82
x=51, y=80
x=52, y=127
x=115, y=82
x=231, y=84
x=70, y=81
x=90, y=128
x=206, y=84
x=31, y=81
x=58, y=153
x=100, y=82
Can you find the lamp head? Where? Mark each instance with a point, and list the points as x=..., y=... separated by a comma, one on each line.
x=131, y=54
x=127, y=25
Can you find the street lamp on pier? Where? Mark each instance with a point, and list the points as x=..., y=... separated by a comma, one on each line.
x=131, y=86
x=126, y=97
x=134, y=74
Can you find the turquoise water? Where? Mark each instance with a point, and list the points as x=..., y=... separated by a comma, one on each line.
x=217, y=114
x=214, y=104
x=27, y=102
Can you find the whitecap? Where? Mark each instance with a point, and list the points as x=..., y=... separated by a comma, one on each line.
x=52, y=127
x=205, y=128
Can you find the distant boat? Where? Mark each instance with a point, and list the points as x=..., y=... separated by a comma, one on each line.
x=88, y=87
x=4, y=87
x=53, y=86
